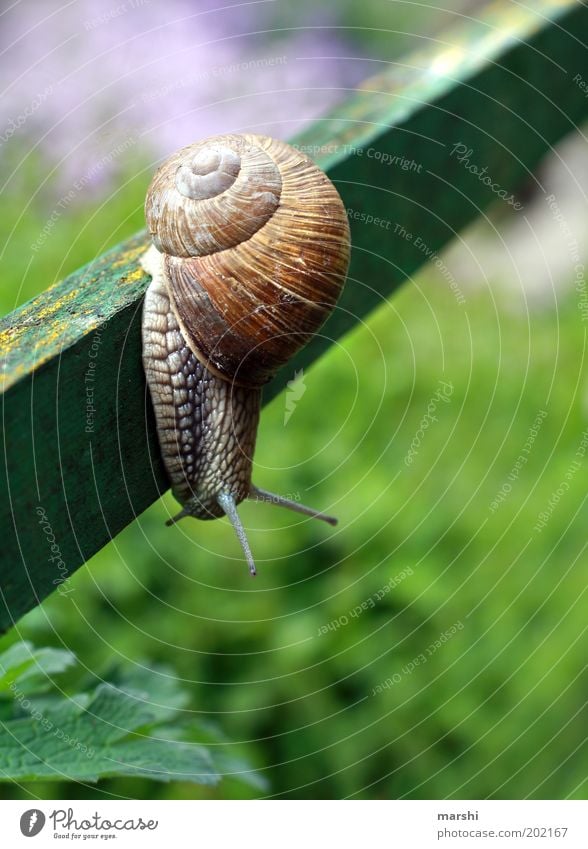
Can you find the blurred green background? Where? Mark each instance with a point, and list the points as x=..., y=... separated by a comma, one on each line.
x=498, y=708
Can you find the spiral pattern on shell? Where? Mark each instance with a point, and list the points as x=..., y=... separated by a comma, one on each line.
x=255, y=241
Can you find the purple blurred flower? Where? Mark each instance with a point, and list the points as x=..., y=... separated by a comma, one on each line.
x=88, y=82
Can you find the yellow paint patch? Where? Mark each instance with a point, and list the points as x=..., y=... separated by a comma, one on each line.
x=43, y=327
x=138, y=274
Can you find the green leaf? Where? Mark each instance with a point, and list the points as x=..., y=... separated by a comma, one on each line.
x=157, y=683
x=132, y=726
x=32, y=668
x=87, y=744
x=233, y=767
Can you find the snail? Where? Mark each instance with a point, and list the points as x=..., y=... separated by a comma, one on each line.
x=250, y=249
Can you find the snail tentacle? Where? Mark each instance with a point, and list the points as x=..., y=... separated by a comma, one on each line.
x=227, y=502
x=257, y=494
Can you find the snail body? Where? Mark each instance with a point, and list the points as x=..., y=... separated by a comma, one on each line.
x=249, y=256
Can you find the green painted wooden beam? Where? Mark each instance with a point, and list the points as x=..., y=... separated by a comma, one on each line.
x=80, y=454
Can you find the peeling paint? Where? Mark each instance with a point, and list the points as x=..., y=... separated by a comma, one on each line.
x=68, y=310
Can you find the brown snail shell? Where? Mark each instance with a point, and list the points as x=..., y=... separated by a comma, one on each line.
x=250, y=252
x=256, y=247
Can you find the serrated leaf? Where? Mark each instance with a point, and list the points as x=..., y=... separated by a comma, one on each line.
x=216, y=744
x=233, y=767
x=116, y=729
x=85, y=745
x=158, y=685
x=30, y=668
x=47, y=662
x=15, y=656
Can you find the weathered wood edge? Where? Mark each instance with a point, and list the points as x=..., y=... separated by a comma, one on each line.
x=80, y=454
x=46, y=326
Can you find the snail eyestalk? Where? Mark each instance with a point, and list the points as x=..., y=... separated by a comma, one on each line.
x=256, y=494
x=227, y=502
